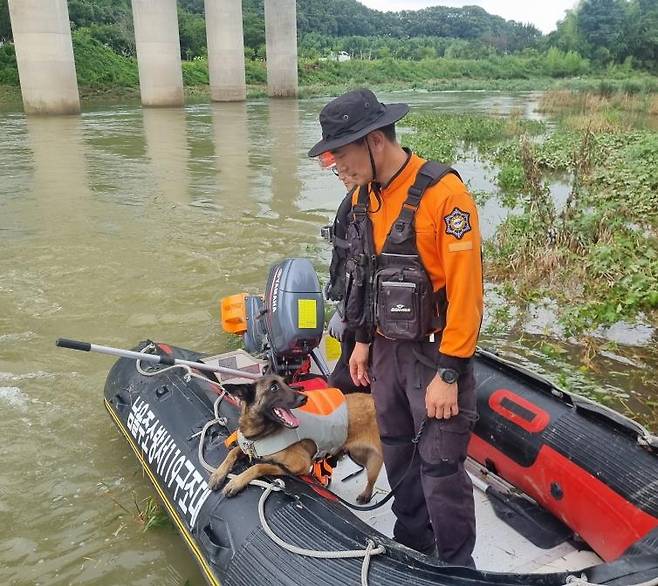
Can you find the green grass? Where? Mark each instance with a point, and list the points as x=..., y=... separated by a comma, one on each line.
x=97, y=66
x=8, y=67
x=438, y=136
x=195, y=73
x=152, y=515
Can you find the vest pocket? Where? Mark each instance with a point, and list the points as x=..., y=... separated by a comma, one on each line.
x=404, y=301
x=398, y=301
x=397, y=304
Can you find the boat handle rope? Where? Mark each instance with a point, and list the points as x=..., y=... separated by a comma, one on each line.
x=220, y=420
x=371, y=547
x=582, y=581
x=202, y=434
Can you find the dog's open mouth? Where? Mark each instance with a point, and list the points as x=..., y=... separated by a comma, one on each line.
x=286, y=417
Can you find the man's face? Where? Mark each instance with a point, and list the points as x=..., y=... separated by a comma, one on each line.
x=347, y=181
x=353, y=163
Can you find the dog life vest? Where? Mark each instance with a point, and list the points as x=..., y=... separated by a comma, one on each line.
x=323, y=420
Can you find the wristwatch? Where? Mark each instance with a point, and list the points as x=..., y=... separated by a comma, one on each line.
x=448, y=375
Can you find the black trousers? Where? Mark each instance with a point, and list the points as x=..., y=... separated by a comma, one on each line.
x=434, y=504
x=340, y=378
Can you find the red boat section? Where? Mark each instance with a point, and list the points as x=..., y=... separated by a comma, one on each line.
x=604, y=519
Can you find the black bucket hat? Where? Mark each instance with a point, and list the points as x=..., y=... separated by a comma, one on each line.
x=352, y=116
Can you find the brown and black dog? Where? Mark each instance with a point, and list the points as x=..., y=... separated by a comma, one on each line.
x=266, y=406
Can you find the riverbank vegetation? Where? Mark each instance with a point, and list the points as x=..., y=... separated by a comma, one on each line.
x=594, y=255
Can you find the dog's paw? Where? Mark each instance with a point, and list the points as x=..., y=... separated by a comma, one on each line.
x=364, y=497
x=216, y=480
x=232, y=488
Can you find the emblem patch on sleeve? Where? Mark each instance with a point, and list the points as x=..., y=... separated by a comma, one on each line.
x=457, y=223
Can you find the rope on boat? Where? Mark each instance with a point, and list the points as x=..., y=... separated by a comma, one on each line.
x=187, y=378
x=371, y=547
x=202, y=434
x=189, y=375
x=582, y=581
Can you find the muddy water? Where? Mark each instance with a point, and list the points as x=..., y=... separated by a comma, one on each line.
x=124, y=224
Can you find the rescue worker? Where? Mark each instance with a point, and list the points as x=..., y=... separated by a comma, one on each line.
x=421, y=370
x=335, y=290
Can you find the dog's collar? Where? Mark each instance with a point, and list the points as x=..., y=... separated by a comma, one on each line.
x=263, y=447
x=248, y=447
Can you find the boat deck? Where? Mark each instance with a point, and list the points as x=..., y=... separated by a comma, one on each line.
x=499, y=548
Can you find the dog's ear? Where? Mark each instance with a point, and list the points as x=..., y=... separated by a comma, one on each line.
x=245, y=391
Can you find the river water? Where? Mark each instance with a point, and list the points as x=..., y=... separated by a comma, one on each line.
x=124, y=224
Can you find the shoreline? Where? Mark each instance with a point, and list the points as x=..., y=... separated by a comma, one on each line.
x=10, y=95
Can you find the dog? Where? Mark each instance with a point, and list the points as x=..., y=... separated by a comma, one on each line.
x=266, y=407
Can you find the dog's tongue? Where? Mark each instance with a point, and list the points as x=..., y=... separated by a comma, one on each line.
x=287, y=416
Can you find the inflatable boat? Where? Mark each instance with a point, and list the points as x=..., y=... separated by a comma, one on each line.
x=566, y=489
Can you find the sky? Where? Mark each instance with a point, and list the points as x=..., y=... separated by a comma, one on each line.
x=544, y=15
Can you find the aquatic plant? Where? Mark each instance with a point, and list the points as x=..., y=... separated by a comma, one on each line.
x=148, y=512
x=151, y=514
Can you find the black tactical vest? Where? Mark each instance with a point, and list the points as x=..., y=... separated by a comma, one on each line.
x=392, y=291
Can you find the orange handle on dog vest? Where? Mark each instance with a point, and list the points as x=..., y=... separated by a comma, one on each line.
x=323, y=401
x=231, y=439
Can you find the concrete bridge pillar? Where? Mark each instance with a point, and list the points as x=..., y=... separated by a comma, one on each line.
x=44, y=53
x=281, y=41
x=225, y=37
x=158, y=52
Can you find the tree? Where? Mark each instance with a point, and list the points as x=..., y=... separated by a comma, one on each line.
x=566, y=37
x=642, y=32
x=601, y=26
x=192, y=29
x=254, y=30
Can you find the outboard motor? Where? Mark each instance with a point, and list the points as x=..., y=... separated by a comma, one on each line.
x=287, y=324
x=293, y=312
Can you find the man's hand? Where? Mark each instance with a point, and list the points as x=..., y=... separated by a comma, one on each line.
x=441, y=399
x=359, y=364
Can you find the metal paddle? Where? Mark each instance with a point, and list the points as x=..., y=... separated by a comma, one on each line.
x=157, y=358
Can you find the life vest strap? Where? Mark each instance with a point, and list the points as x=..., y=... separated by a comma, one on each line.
x=322, y=472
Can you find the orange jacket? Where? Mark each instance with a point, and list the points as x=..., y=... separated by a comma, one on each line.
x=448, y=240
